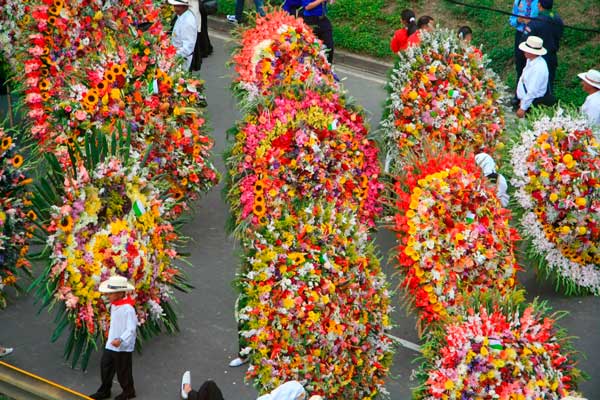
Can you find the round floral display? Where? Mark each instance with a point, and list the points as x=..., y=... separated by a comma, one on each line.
x=557, y=175
x=499, y=355
x=303, y=146
x=16, y=219
x=280, y=50
x=440, y=91
x=111, y=222
x=316, y=304
x=454, y=236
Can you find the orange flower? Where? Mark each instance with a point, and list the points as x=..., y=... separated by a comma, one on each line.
x=17, y=161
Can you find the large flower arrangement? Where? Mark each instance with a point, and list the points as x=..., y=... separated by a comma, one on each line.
x=92, y=68
x=454, y=236
x=16, y=219
x=110, y=220
x=280, y=50
x=12, y=17
x=316, y=304
x=505, y=352
x=440, y=91
x=557, y=175
x=303, y=145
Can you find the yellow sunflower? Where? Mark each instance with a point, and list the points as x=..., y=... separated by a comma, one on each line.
x=66, y=223
x=6, y=143
x=17, y=161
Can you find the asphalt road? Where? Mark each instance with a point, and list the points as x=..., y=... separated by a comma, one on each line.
x=208, y=338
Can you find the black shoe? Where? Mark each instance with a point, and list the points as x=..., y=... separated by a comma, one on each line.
x=124, y=396
x=100, y=395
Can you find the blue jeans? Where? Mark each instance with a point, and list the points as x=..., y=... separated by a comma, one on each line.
x=239, y=8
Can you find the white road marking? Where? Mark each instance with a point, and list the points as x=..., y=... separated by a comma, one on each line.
x=405, y=343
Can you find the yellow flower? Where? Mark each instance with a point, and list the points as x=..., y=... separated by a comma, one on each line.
x=118, y=226
x=581, y=201
x=553, y=197
x=565, y=230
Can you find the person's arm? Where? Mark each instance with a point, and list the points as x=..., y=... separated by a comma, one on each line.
x=130, y=325
x=537, y=84
x=189, y=33
x=313, y=4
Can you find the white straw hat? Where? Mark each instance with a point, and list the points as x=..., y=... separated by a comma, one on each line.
x=179, y=2
x=592, y=77
x=115, y=284
x=533, y=45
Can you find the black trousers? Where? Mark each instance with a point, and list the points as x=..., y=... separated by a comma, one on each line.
x=120, y=363
x=520, y=59
x=552, y=62
x=208, y=391
x=322, y=28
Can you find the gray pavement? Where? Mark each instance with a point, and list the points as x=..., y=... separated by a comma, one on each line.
x=208, y=340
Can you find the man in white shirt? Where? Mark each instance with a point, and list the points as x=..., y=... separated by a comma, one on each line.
x=590, y=82
x=185, y=31
x=533, y=84
x=488, y=167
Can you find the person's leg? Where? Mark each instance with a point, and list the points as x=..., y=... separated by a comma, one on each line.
x=552, y=62
x=326, y=35
x=520, y=59
x=124, y=367
x=239, y=10
x=259, y=7
x=107, y=373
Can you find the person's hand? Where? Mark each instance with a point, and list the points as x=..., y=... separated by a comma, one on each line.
x=187, y=388
x=520, y=113
x=523, y=20
x=116, y=342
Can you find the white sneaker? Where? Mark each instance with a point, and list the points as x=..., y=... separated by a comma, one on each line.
x=236, y=362
x=7, y=350
x=185, y=380
x=231, y=18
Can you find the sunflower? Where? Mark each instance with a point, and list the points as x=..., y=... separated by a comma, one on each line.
x=259, y=209
x=32, y=215
x=17, y=161
x=6, y=143
x=116, y=69
x=66, y=223
x=101, y=86
x=259, y=187
x=57, y=3
x=262, y=220
x=91, y=98
x=44, y=72
x=259, y=199
x=110, y=76
x=54, y=10
x=52, y=20
x=45, y=96
x=44, y=84
x=45, y=50
x=178, y=194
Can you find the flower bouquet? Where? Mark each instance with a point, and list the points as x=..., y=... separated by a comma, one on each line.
x=441, y=91
x=494, y=351
x=16, y=217
x=454, y=237
x=109, y=219
x=301, y=145
x=556, y=172
x=316, y=304
x=13, y=15
x=280, y=50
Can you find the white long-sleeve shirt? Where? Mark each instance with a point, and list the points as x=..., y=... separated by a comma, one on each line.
x=184, y=36
x=195, y=8
x=501, y=189
x=591, y=108
x=123, y=325
x=533, y=83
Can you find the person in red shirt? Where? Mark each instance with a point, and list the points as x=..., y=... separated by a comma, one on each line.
x=408, y=36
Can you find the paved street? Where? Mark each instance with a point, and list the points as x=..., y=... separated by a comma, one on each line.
x=208, y=338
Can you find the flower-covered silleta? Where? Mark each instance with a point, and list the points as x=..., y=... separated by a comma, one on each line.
x=499, y=353
x=112, y=70
x=454, y=236
x=110, y=220
x=280, y=50
x=556, y=169
x=316, y=304
x=440, y=91
x=306, y=145
x=16, y=217
x=13, y=15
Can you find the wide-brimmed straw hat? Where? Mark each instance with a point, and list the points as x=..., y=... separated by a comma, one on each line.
x=116, y=284
x=592, y=77
x=179, y=2
x=533, y=45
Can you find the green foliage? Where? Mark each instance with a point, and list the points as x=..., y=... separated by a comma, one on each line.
x=366, y=26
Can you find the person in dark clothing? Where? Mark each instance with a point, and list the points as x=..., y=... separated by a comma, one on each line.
x=208, y=391
x=203, y=48
x=315, y=15
x=293, y=7
x=549, y=26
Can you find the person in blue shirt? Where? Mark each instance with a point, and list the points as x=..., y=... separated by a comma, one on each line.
x=522, y=11
x=293, y=7
x=549, y=26
x=315, y=15
x=239, y=11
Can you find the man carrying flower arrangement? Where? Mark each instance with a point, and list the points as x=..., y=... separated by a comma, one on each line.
x=532, y=88
x=185, y=31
